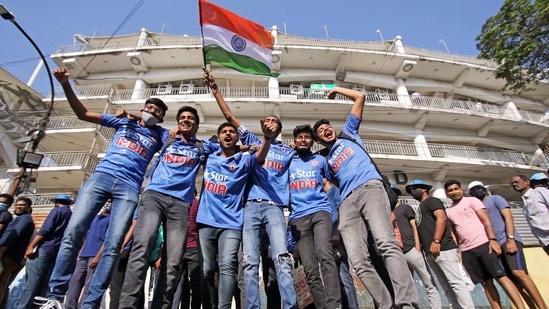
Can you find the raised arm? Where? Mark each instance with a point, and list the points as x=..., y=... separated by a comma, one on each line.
x=357, y=97
x=223, y=106
x=79, y=109
x=269, y=131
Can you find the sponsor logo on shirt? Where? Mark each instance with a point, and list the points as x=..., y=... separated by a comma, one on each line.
x=132, y=146
x=339, y=156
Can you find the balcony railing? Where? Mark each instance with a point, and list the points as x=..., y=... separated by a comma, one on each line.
x=451, y=152
x=87, y=91
x=300, y=93
x=57, y=123
x=85, y=161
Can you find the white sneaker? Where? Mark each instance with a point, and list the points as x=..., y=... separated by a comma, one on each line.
x=45, y=303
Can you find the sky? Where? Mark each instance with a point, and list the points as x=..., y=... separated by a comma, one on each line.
x=430, y=24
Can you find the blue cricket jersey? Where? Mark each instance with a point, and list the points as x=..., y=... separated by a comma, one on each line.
x=270, y=181
x=131, y=149
x=307, y=194
x=349, y=161
x=225, y=179
x=175, y=174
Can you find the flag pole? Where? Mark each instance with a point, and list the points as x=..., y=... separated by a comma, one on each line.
x=202, y=33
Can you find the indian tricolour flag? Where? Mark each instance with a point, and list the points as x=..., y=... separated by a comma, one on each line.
x=234, y=41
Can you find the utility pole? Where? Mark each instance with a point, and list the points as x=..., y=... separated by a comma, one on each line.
x=36, y=135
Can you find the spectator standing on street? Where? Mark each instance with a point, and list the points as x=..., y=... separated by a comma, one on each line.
x=5, y=216
x=405, y=218
x=88, y=259
x=512, y=255
x=439, y=246
x=43, y=249
x=13, y=245
x=536, y=208
x=479, y=245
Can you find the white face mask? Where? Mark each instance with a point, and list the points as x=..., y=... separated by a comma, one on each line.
x=149, y=119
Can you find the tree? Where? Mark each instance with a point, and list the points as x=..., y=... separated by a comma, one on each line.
x=517, y=38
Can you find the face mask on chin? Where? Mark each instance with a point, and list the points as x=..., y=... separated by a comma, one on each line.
x=417, y=194
x=149, y=119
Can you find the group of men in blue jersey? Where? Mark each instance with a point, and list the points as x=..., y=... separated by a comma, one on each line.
x=243, y=192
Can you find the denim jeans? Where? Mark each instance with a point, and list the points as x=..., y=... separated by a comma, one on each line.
x=349, y=299
x=446, y=268
x=256, y=215
x=92, y=196
x=156, y=208
x=222, y=244
x=368, y=207
x=313, y=234
x=79, y=284
x=416, y=263
x=38, y=270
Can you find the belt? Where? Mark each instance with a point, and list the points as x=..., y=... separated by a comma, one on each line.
x=259, y=200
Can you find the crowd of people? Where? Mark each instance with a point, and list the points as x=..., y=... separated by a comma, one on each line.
x=206, y=250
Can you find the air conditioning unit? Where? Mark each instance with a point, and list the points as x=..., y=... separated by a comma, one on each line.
x=164, y=89
x=296, y=89
x=186, y=89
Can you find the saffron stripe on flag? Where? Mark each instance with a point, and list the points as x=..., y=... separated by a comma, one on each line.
x=223, y=38
x=215, y=15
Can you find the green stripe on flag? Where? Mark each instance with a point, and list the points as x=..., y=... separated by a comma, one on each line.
x=241, y=63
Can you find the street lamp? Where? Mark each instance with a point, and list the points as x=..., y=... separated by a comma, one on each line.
x=7, y=15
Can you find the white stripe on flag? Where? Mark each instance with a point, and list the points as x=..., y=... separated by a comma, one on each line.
x=222, y=38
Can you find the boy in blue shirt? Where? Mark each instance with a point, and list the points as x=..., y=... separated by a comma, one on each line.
x=365, y=205
x=119, y=177
x=220, y=214
x=267, y=196
x=166, y=200
x=310, y=219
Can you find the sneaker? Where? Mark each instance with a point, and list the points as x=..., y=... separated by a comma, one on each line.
x=45, y=303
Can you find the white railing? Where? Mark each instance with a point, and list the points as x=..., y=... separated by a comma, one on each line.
x=292, y=93
x=68, y=158
x=56, y=123
x=480, y=153
x=87, y=91
x=452, y=152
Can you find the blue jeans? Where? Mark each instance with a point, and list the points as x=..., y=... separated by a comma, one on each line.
x=38, y=270
x=228, y=242
x=92, y=196
x=368, y=206
x=256, y=215
x=156, y=208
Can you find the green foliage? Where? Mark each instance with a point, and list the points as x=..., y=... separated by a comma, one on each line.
x=517, y=38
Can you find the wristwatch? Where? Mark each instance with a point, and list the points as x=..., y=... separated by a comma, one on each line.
x=511, y=236
x=436, y=241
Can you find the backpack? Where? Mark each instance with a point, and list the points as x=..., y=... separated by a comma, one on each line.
x=391, y=195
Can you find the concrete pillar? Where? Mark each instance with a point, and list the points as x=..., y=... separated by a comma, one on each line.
x=421, y=146
x=402, y=93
